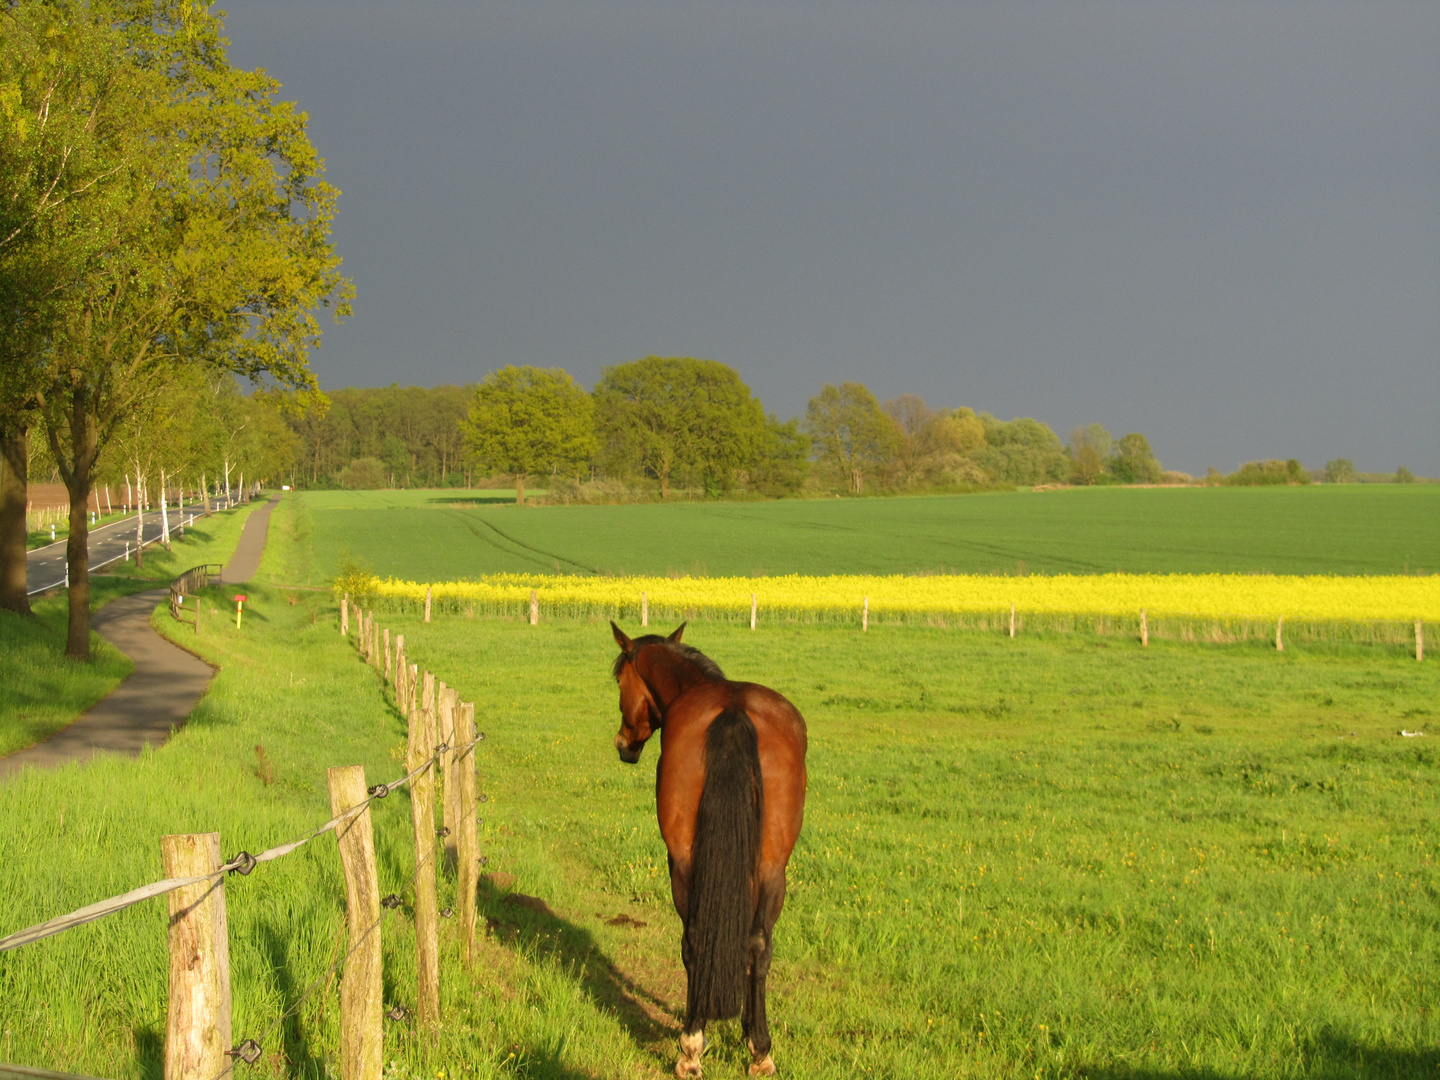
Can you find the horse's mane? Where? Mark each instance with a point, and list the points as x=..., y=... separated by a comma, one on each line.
x=680, y=649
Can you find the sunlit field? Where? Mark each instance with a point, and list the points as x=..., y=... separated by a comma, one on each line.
x=1055, y=855
x=1327, y=529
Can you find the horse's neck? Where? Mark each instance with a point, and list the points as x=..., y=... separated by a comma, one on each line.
x=669, y=676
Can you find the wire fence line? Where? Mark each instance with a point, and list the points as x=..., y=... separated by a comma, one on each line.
x=242, y=863
x=249, y=1050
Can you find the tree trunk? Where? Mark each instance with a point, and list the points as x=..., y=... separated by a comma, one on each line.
x=164, y=510
x=14, y=481
x=205, y=488
x=139, y=526
x=519, y=489
x=79, y=478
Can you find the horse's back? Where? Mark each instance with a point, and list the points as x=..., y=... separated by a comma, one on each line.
x=781, y=741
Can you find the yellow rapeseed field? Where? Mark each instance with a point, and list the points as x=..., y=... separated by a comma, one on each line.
x=1206, y=596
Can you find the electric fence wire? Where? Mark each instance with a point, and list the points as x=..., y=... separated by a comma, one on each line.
x=242, y=863
x=249, y=1050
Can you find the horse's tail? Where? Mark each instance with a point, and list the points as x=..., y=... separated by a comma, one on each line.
x=723, y=865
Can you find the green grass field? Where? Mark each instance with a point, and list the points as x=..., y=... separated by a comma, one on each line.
x=1051, y=857
x=1349, y=529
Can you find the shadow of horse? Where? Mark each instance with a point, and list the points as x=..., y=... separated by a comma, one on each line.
x=517, y=921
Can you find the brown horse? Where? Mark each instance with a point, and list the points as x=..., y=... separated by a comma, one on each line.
x=730, y=795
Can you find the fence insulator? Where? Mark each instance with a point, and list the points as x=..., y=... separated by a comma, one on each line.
x=379, y=791
x=248, y=1052
x=244, y=863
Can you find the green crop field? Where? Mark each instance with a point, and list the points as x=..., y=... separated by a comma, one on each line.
x=436, y=536
x=1052, y=857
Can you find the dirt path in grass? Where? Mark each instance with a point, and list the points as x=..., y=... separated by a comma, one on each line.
x=160, y=693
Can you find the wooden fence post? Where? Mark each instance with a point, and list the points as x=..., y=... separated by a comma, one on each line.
x=197, y=1027
x=400, y=671
x=363, y=641
x=361, y=1038
x=1280, y=634
x=449, y=704
x=1419, y=640
x=376, y=660
x=427, y=603
x=467, y=846
x=644, y=608
x=1012, y=618
x=753, y=606
x=534, y=608
x=865, y=614
x=345, y=614
x=389, y=670
x=1144, y=629
x=422, y=817
x=412, y=691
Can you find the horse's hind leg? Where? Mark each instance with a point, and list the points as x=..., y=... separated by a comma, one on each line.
x=762, y=948
x=757, y=1028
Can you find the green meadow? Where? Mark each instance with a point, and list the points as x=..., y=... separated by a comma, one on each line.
x=1324, y=529
x=1051, y=856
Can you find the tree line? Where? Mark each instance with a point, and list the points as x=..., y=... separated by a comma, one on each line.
x=659, y=426
x=164, y=229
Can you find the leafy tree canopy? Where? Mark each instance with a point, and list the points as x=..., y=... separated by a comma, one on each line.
x=850, y=432
x=677, y=418
x=527, y=420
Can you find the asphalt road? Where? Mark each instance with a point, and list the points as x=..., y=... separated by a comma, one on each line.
x=45, y=567
x=161, y=692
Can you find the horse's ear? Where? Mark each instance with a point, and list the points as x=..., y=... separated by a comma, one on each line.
x=620, y=639
x=674, y=638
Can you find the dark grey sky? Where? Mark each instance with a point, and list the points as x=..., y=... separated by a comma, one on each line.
x=1217, y=223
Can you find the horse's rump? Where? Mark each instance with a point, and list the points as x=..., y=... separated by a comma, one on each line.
x=723, y=862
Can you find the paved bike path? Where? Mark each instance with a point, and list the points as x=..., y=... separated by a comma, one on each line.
x=160, y=693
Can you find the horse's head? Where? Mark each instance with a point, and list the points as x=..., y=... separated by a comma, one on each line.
x=640, y=713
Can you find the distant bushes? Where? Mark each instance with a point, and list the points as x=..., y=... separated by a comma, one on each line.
x=1268, y=473
x=363, y=474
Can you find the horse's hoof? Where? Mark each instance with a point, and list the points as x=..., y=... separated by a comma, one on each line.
x=692, y=1045
x=764, y=1067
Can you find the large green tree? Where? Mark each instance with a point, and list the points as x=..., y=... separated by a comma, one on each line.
x=199, y=233
x=1133, y=462
x=50, y=82
x=528, y=420
x=850, y=432
x=1021, y=451
x=677, y=418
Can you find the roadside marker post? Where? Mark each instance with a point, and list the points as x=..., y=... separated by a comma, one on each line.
x=239, y=606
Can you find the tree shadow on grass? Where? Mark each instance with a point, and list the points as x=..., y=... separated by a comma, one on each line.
x=526, y=923
x=1329, y=1055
